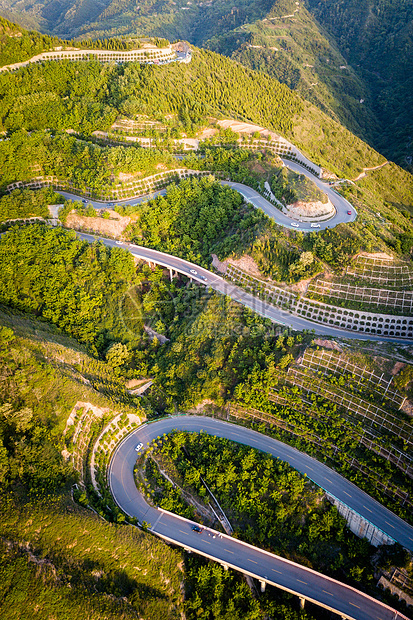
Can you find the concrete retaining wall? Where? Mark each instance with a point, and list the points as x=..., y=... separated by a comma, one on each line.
x=360, y=526
x=150, y=54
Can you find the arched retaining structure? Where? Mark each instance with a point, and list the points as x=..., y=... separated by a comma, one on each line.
x=277, y=315
x=120, y=192
x=149, y=54
x=371, y=323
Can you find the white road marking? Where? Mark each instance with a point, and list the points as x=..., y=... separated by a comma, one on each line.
x=233, y=552
x=330, y=593
x=182, y=532
x=276, y=571
x=354, y=605
x=302, y=582
x=367, y=508
x=249, y=560
x=387, y=523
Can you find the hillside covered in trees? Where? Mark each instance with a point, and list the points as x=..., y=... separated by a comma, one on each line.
x=217, y=351
x=343, y=57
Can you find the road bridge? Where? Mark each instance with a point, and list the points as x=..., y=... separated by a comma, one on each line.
x=217, y=283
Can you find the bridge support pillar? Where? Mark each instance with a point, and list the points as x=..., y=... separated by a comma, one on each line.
x=225, y=566
x=187, y=550
x=263, y=584
x=171, y=274
x=302, y=602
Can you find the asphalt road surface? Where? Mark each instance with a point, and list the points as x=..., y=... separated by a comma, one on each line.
x=231, y=552
x=276, y=315
x=341, y=204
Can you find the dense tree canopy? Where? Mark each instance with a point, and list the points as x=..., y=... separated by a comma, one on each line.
x=21, y=204
x=66, y=281
x=196, y=218
x=86, y=96
x=84, y=164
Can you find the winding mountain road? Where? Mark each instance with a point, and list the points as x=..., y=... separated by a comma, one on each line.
x=341, y=205
x=266, y=567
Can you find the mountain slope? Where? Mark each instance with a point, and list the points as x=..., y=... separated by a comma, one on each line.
x=376, y=37
x=352, y=59
x=57, y=559
x=289, y=45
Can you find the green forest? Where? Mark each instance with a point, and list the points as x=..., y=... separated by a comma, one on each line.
x=327, y=52
x=23, y=204
x=86, y=165
x=17, y=44
x=88, y=96
x=196, y=219
x=217, y=351
x=52, y=274
x=58, y=558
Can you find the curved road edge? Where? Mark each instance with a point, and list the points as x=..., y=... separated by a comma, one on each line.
x=342, y=206
x=262, y=565
x=216, y=282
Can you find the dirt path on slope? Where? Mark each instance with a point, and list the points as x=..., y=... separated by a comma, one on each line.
x=365, y=170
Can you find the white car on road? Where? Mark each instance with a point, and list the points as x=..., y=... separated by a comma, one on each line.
x=295, y=225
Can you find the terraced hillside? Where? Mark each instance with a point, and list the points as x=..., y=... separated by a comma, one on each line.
x=347, y=409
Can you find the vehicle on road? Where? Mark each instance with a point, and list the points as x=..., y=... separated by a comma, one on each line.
x=204, y=278
x=193, y=271
x=119, y=242
x=196, y=528
x=139, y=447
x=348, y=212
x=314, y=225
x=84, y=200
x=295, y=225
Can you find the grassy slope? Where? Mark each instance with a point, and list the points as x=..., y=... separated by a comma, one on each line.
x=48, y=371
x=41, y=371
x=99, y=571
